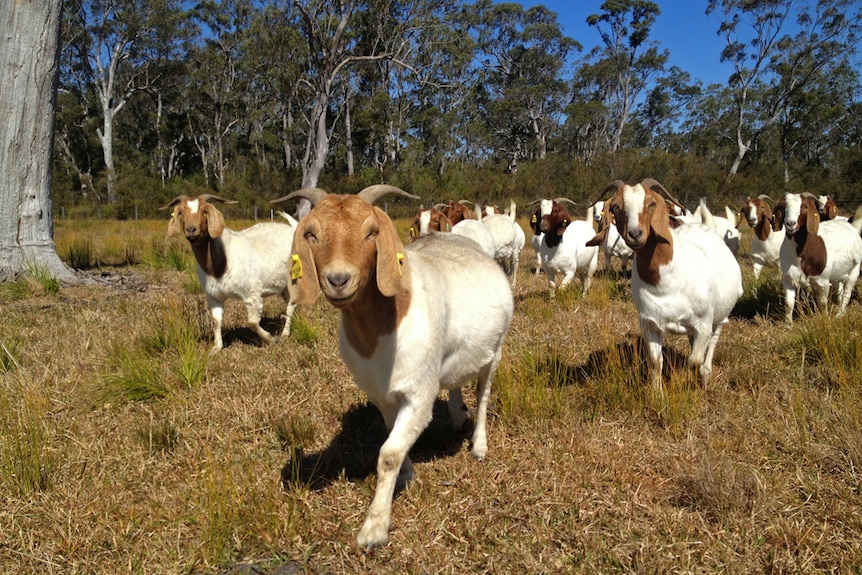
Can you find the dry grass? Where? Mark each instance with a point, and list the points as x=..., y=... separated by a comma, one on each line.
x=261, y=459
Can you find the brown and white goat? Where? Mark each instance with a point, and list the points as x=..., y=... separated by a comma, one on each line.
x=457, y=211
x=815, y=253
x=414, y=320
x=246, y=265
x=684, y=280
x=766, y=242
x=564, y=250
x=428, y=221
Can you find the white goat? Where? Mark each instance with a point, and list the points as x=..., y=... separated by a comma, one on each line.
x=479, y=233
x=684, y=280
x=246, y=265
x=815, y=253
x=414, y=320
x=766, y=242
x=613, y=244
x=564, y=247
x=508, y=236
x=725, y=227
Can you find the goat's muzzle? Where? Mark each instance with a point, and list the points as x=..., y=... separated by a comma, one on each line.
x=634, y=238
x=340, y=286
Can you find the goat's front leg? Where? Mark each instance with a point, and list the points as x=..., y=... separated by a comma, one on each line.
x=789, y=301
x=217, y=314
x=483, y=394
x=405, y=422
x=288, y=315
x=653, y=339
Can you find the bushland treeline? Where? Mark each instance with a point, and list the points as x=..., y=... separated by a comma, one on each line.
x=486, y=101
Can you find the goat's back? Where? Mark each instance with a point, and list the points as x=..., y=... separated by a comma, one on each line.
x=479, y=233
x=464, y=301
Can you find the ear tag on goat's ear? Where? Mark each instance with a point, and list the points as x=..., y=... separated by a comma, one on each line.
x=400, y=256
x=296, y=267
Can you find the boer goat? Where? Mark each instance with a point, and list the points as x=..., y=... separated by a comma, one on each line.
x=815, y=253
x=246, y=265
x=684, y=280
x=766, y=242
x=564, y=248
x=414, y=320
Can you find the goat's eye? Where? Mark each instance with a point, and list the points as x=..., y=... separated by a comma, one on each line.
x=651, y=205
x=310, y=237
x=373, y=235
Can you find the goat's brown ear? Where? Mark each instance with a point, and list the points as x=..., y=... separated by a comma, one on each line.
x=812, y=222
x=174, y=226
x=600, y=236
x=215, y=221
x=660, y=222
x=304, y=286
x=393, y=269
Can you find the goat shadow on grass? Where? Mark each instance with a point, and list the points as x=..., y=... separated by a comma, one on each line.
x=352, y=453
x=247, y=336
x=629, y=354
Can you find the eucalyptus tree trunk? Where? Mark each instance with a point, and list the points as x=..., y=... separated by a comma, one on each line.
x=29, y=55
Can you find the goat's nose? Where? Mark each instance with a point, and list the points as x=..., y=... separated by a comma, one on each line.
x=635, y=234
x=338, y=280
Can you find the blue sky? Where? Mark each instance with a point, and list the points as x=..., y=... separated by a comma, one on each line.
x=683, y=29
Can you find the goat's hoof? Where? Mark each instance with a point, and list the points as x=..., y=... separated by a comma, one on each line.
x=371, y=536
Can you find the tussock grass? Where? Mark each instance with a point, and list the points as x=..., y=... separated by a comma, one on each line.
x=126, y=448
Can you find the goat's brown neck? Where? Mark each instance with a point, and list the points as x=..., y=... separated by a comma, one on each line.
x=651, y=257
x=210, y=255
x=811, y=251
x=371, y=317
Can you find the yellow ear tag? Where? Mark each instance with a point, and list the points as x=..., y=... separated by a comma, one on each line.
x=296, y=267
x=400, y=257
x=533, y=219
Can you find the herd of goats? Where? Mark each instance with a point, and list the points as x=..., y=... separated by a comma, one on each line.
x=433, y=314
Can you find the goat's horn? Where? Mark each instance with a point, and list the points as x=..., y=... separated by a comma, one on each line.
x=534, y=202
x=766, y=198
x=174, y=202
x=564, y=201
x=214, y=198
x=439, y=206
x=463, y=202
x=374, y=192
x=653, y=184
x=613, y=186
x=313, y=195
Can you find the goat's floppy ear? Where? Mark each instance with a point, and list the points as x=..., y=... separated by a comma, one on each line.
x=600, y=236
x=660, y=222
x=778, y=217
x=174, y=226
x=215, y=221
x=393, y=269
x=304, y=286
x=812, y=222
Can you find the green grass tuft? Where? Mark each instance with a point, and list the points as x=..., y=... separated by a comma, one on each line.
x=25, y=466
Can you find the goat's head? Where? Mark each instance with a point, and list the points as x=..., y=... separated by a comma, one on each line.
x=827, y=208
x=638, y=211
x=754, y=210
x=345, y=246
x=196, y=217
x=457, y=211
x=428, y=221
x=796, y=212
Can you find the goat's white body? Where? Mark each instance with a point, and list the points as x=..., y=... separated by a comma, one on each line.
x=460, y=310
x=725, y=227
x=258, y=264
x=572, y=257
x=479, y=233
x=696, y=293
x=843, y=258
x=536, y=242
x=507, y=241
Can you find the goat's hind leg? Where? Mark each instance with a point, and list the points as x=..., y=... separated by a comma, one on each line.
x=457, y=408
x=288, y=314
